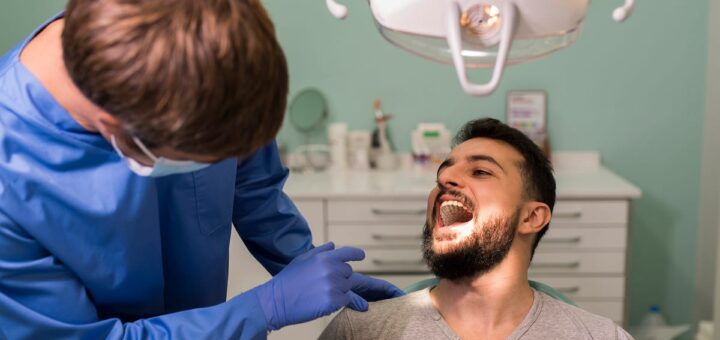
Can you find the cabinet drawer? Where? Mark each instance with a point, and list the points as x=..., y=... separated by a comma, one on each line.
x=612, y=309
x=356, y=211
x=578, y=262
x=584, y=238
x=377, y=235
x=392, y=261
x=586, y=287
x=569, y=212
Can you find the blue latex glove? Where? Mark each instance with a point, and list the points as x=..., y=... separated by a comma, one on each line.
x=372, y=289
x=316, y=284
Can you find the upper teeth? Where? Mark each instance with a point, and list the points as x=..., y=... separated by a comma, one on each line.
x=455, y=203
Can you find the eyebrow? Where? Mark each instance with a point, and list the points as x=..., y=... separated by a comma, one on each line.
x=470, y=159
x=484, y=158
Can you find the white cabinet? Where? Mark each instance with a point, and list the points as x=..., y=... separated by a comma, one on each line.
x=584, y=254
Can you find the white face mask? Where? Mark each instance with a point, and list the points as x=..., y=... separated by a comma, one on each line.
x=161, y=166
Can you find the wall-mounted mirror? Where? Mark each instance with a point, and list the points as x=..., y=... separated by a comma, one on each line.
x=308, y=114
x=308, y=111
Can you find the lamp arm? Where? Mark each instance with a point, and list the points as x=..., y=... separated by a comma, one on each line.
x=623, y=12
x=454, y=40
x=336, y=9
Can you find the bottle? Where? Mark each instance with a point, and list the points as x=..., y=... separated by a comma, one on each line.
x=650, y=324
x=359, y=145
x=337, y=141
x=653, y=318
x=382, y=156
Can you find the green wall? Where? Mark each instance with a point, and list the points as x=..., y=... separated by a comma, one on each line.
x=20, y=17
x=633, y=91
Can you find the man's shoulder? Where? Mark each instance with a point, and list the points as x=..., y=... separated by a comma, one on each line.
x=405, y=317
x=385, y=309
x=575, y=319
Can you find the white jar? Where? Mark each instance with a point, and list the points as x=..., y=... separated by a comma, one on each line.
x=337, y=141
x=359, y=146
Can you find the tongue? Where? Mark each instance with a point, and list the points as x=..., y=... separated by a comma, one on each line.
x=452, y=214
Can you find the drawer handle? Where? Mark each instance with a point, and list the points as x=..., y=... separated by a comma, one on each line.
x=380, y=237
x=562, y=240
x=568, y=290
x=569, y=214
x=568, y=265
x=397, y=262
x=398, y=212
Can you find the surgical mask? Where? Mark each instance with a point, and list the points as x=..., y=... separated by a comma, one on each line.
x=480, y=33
x=161, y=166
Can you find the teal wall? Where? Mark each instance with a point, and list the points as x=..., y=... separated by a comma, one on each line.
x=633, y=91
x=20, y=17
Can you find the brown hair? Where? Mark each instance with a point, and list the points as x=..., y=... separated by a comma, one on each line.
x=196, y=76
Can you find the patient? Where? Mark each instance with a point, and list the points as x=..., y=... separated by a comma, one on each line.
x=491, y=207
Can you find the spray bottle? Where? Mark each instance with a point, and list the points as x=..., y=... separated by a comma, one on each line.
x=382, y=156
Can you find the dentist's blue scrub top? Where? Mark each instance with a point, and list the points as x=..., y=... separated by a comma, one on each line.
x=88, y=250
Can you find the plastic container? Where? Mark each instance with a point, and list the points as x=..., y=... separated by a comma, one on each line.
x=359, y=149
x=651, y=326
x=431, y=144
x=338, y=145
x=653, y=319
x=705, y=331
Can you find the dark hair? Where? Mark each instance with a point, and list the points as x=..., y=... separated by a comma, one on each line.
x=196, y=76
x=536, y=170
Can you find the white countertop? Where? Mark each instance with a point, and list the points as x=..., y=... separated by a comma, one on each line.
x=593, y=183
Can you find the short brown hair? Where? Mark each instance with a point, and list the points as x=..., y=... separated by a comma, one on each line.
x=198, y=76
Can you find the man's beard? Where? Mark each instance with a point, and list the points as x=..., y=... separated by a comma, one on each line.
x=477, y=254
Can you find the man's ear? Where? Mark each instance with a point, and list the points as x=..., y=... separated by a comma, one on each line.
x=534, y=216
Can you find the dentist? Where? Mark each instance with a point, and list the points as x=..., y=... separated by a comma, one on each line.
x=132, y=135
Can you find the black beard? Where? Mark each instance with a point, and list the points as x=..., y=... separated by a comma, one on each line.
x=477, y=254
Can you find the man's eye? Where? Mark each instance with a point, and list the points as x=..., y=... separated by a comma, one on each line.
x=479, y=173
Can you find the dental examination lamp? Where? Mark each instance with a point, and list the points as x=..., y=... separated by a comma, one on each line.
x=480, y=33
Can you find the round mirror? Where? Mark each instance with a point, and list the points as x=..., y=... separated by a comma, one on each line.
x=308, y=110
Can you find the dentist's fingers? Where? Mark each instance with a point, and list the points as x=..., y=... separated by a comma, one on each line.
x=346, y=254
x=357, y=303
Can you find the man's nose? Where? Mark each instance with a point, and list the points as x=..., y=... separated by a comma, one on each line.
x=450, y=178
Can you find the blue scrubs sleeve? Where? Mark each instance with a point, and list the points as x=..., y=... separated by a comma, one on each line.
x=266, y=219
x=40, y=298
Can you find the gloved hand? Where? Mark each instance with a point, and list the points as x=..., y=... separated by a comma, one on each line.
x=372, y=289
x=315, y=284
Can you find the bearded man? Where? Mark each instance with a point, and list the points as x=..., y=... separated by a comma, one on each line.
x=493, y=203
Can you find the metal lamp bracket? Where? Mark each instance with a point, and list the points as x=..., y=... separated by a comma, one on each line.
x=508, y=12
x=336, y=9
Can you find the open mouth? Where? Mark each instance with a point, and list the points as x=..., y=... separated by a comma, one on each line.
x=454, y=212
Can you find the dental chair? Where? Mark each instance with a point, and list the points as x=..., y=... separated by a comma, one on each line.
x=541, y=287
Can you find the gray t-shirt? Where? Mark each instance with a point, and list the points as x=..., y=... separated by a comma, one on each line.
x=414, y=317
